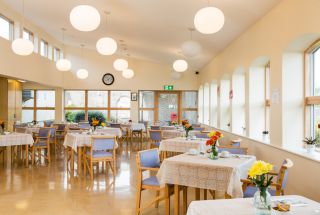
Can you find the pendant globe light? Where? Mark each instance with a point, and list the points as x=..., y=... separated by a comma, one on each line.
x=82, y=73
x=85, y=18
x=63, y=64
x=106, y=45
x=22, y=46
x=121, y=64
x=128, y=73
x=180, y=65
x=191, y=48
x=209, y=20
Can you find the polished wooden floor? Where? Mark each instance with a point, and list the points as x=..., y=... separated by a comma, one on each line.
x=51, y=189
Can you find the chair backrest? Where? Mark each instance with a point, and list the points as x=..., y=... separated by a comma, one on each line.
x=52, y=131
x=201, y=135
x=283, y=173
x=21, y=130
x=48, y=123
x=155, y=135
x=146, y=123
x=234, y=150
x=44, y=132
x=115, y=125
x=196, y=125
x=168, y=128
x=102, y=143
x=60, y=127
x=198, y=128
x=148, y=158
x=236, y=142
x=155, y=127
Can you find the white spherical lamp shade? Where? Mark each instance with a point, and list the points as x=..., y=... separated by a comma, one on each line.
x=63, y=65
x=176, y=75
x=180, y=65
x=120, y=64
x=209, y=20
x=191, y=48
x=127, y=73
x=22, y=47
x=106, y=46
x=84, y=18
x=82, y=73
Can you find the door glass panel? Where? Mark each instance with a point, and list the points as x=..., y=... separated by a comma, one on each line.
x=168, y=107
x=147, y=116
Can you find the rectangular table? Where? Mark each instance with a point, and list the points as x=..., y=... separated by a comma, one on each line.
x=181, y=144
x=201, y=172
x=76, y=142
x=17, y=139
x=245, y=207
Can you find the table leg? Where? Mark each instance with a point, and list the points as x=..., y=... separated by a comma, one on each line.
x=72, y=161
x=176, y=200
x=27, y=156
x=79, y=159
x=197, y=193
x=167, y=199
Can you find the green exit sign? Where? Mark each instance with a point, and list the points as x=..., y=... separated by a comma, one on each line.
x=168, y=87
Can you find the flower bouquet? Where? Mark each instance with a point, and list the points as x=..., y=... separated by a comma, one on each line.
x=213, y=142
x=258, y=174
x=187, y=127
x=94, y=123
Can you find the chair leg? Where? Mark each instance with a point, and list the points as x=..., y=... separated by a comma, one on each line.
x=138, y=200
x=185, y=199
x=48, y=154
x=157, y=196
x=33, y=155
x=91, y=169
x=205, y=197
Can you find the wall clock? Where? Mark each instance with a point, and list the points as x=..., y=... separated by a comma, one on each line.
x=108, y=79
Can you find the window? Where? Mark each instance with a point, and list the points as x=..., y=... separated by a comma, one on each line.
x=27, y=35
x=146, y=106
x=312, y=116
x=50, y=52
x=38, y=105
x=200, y=105
x=108, y=105
x=56, y=54
x=43, y=48
x=189, y=106
x=6, y=28
x=214, y=104
x=267, y=96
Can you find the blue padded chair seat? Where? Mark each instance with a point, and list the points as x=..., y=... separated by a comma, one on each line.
x=156, y=143
x=41, y=144
x=99, y=154
x=250, y=191
x=152, y=181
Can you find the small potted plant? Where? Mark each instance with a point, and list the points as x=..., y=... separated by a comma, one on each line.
x=310, y=143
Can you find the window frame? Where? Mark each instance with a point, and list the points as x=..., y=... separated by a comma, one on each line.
x=11, y=27
x=86, y=107
x=46, y=50
x=35, y=108
x=56, y=54
x=310, y=99
x=30, y=33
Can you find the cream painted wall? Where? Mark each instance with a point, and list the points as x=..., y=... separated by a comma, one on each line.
x=289, y=27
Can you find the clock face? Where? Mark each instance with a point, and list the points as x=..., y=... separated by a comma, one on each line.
x=108, y=79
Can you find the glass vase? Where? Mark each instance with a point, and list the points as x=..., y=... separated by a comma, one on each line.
x=187, y=134
x=214, y=155
x=262, y=202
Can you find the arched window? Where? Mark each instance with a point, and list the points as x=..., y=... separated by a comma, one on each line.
x=312, y=90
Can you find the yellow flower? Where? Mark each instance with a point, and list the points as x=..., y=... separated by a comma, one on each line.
x=259, y=168
x=103, y=124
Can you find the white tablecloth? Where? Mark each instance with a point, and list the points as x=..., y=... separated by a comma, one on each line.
x=169, y=134
x=245, y=207
x=110, y=131
x=168, y=127
x=180, y=144
x=200, y=171
x=74, y=140
x=16, y=139
x=135, y=126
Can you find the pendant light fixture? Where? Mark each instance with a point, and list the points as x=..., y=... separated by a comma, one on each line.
x=82, y=73
x=63, y=64
x=22, y=46
x=85, y=18
x=121, y=64
x=106, y=45
x=209, y=20
x=191, y=48
x=128, y=73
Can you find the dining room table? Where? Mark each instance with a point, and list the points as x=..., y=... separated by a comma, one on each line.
x=17, y=139
x=200, y=172
x=109, y=131
x=299, y=205
x=77, y=141
x=183, y=144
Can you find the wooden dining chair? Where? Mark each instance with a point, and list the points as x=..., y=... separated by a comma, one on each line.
x=202, y=135
x=155, y=138
x=125, y=134
x=102, y=149
x=148, y=160
x=42, y=142
x=198, y=128
x=233, y=150
x=60, y=132
x=155, y=127
x=276, y=188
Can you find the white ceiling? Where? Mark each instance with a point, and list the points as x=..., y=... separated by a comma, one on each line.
x=152, y=29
